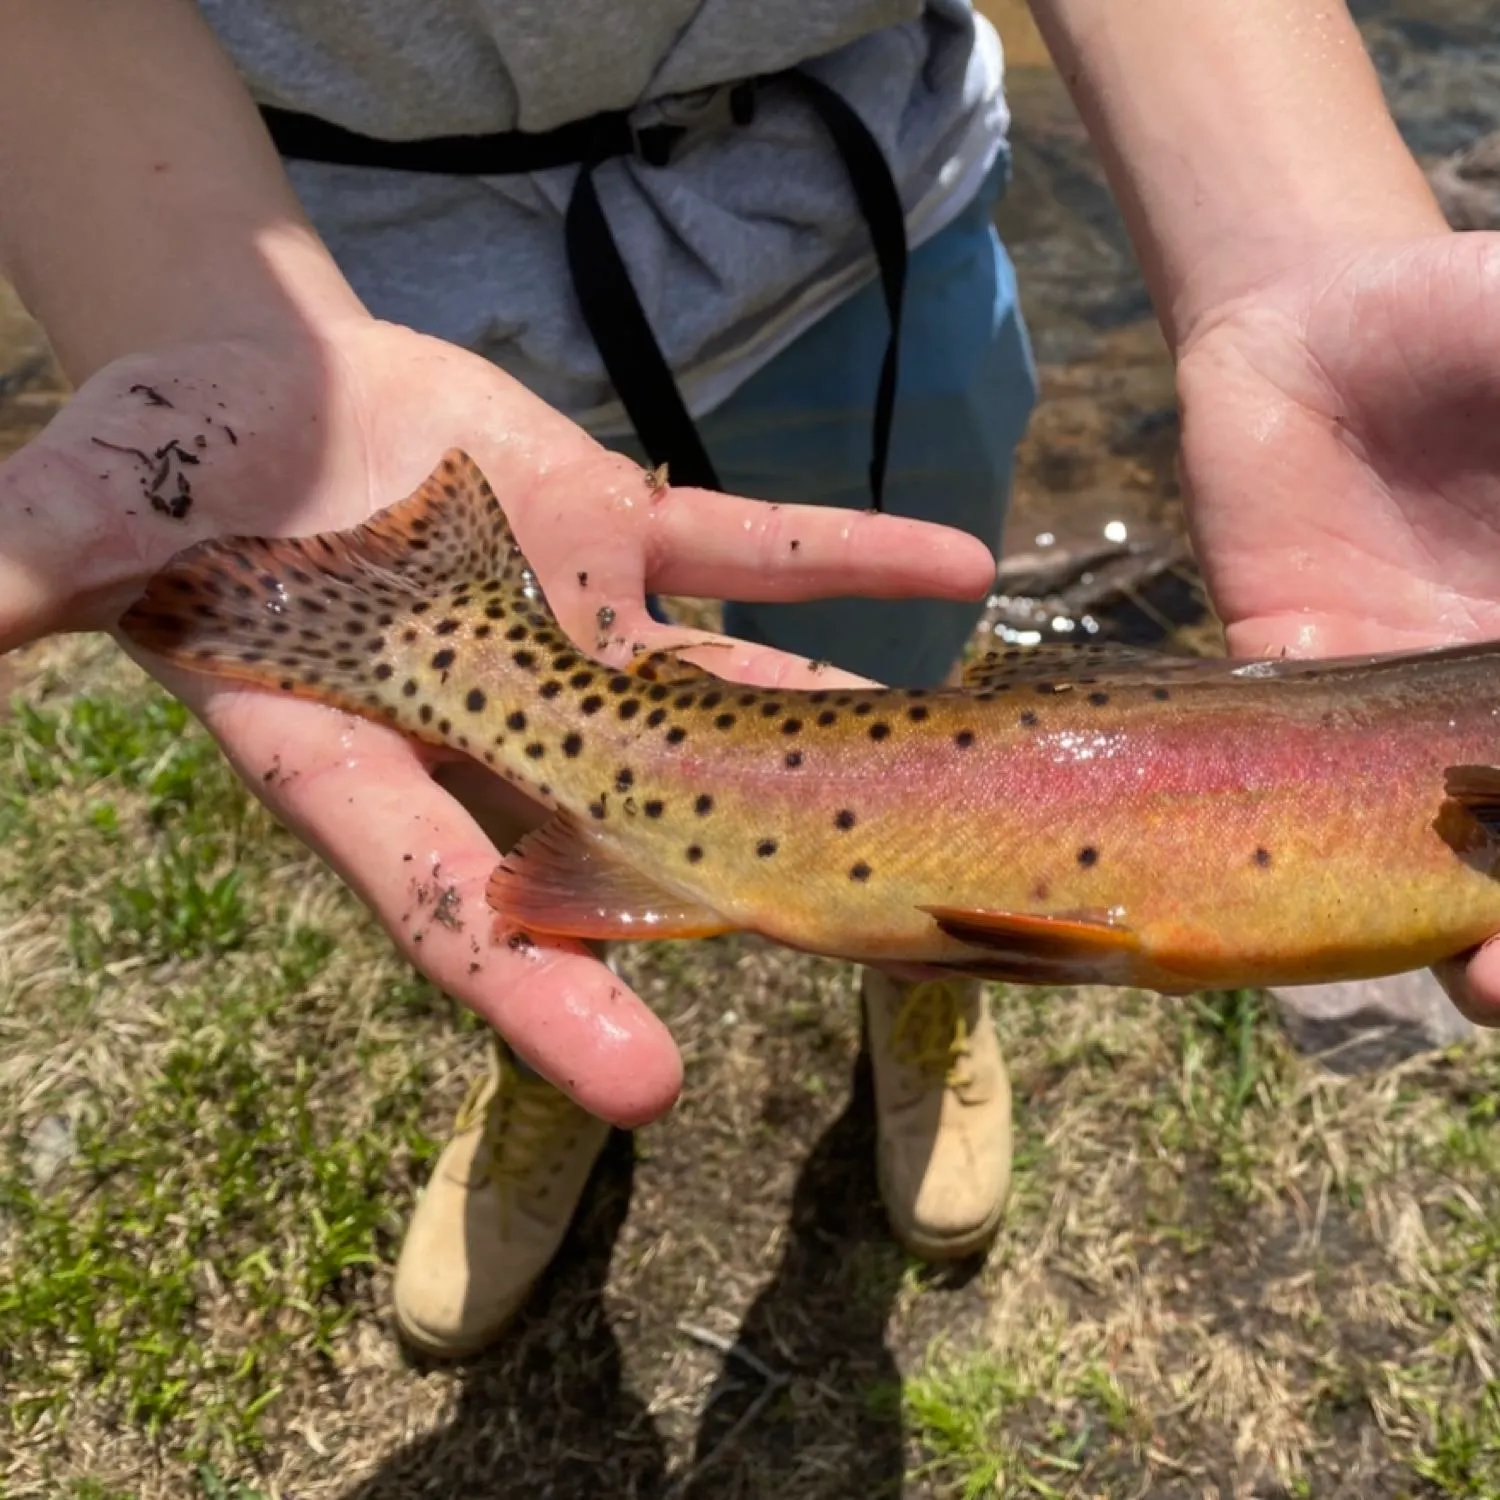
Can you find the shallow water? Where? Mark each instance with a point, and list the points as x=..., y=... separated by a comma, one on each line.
x=1099, y=461
x=1096, y=535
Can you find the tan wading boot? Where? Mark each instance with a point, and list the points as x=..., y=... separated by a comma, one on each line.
x=942, y=1106
x=495, y=1210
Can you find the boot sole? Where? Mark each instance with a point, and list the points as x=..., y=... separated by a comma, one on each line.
x=452, y=1349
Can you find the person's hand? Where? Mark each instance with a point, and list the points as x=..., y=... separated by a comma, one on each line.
x=314, y=434
x=1341, y=453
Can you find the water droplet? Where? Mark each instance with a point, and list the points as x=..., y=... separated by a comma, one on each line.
x=1116, y=531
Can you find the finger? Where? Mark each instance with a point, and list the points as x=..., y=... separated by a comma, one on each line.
x=363, y=798
x=723, y=547
x=1472, y=983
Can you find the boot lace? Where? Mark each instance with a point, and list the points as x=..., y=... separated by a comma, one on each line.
x=931, y=1033
x=529, y=1131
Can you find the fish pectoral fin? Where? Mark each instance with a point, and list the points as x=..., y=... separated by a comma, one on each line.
x=1072, y=948
x=1476, y=789
x=559, y=882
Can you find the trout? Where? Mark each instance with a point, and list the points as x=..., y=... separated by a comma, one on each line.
x=1073, y=815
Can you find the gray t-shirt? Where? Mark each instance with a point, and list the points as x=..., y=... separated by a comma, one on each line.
x=744, y=240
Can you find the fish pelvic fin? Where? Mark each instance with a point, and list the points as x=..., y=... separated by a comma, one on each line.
x=1025, y=948
x=347, y=617
x=561, y=883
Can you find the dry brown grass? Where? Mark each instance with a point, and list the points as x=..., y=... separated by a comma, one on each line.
x=1225, y=1272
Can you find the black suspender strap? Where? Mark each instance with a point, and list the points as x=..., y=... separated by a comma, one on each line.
x=607, y=299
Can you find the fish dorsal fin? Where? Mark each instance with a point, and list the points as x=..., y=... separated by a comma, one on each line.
x=559, y=882
x=319, y=616
x=1066, y=665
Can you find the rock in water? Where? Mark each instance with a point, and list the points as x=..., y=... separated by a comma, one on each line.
x=1468, y=184
x=1367, y=1024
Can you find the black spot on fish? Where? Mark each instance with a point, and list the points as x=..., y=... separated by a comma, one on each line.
x=827, y=717
x=581, y=680
x=1263, y=858
x=683, y=700
x=655, y=717
x=769, y=710
x=792, y=726
x=383, y=671
x=1098, y=699
x=494, y=610
x=409, y=688
x=619, y=683
x=515, y=721
x=551, y=688
x=765, y=848
x=704, y=805
x=793, y=759
x=630, y=708
x=1028, y=720
x=1088, y=856
x=592, y=704
x=654, y=808
x=860, y=871
x=536, y=751
x=712, y=700
x=844, y=819
x=475, y=701
x=624, y=779
x=724, y=721
x=694, y=853
x=516, y=633
x=445, y=627
x=1161, y=694
x=658, y=692
x=596, y=810
x=917, y=714
x=572, y=745
x=861, y=709
x=526, y=660
x=481, y=632
x=964, y=738
x=880, y=731
x=676, y=735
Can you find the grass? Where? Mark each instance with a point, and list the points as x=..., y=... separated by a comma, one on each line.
x=1224, y=1272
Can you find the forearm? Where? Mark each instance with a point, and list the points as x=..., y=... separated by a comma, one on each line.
x=1238, y=136
x=141, y=201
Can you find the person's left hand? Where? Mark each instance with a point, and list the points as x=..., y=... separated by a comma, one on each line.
x=1341, y=456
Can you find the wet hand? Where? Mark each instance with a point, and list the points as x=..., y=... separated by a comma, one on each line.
x=1341, y=455
x=315, y=434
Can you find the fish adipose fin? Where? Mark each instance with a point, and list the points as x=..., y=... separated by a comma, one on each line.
x=559, y=882
x=349, y=617
x=1030, y=949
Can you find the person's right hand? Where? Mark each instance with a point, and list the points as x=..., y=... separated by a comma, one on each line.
x=309, y=433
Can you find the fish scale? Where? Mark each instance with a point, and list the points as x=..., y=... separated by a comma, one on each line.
x=1086, y=814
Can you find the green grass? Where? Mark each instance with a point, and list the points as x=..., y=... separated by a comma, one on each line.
x=226, y=1198
x=220, y=1090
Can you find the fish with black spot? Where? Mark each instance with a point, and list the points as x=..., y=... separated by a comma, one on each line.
x=1065, y=816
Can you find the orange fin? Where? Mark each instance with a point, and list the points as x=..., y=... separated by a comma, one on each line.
x=559, y=882
x=346, y=617
x=1078, y=948
x=1476, y=789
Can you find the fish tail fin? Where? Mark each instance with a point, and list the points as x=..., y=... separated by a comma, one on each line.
x=345, y=617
